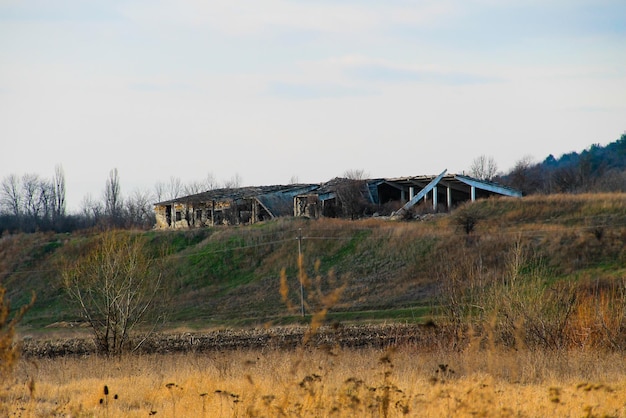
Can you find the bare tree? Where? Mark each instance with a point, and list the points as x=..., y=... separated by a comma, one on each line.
x=351, y=196
x=175, y=188
x=92, y=210
x=233, y=183
x=356, y=174
x=484, y=168
x=59, y=192
x=168, y=191
x=160, y=191
x=113, y=198
x=30, y=200
x=11, y=194
x=194, y=187
x=46, y=200
x=139, y=209
x=30, y=193
x=115, y=285
x=210, y=182
x=524, y=176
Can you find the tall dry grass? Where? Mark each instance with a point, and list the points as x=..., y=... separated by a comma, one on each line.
x=323, y=383
x=9, y=347
x=518, y=301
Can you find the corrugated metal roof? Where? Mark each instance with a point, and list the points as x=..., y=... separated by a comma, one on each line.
x=280, y=203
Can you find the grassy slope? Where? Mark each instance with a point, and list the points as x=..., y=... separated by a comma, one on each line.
x=391, y=270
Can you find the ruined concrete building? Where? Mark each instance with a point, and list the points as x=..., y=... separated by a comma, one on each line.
x=339, y=197
x=229, y=206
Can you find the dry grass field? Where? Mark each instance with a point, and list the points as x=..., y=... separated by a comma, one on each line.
x=322, y=383
x=529, y=305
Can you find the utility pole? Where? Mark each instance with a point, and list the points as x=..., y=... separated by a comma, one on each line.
x=300, y=271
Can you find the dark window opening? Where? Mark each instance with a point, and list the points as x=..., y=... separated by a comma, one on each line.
x=168, y=214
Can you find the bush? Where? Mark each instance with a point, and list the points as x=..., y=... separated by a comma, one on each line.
x=468, y=217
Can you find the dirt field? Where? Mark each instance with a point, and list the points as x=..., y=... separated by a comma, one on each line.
x=361, y=336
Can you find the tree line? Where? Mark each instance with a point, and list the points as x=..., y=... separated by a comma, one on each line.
x=33, y=203
x=596, y=169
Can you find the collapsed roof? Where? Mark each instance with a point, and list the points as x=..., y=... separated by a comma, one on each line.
x=252, y=204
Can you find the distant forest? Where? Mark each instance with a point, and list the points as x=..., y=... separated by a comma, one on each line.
x=596, y=169
x=32, y=203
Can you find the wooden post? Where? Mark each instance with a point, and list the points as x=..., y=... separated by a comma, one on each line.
x=301, y=273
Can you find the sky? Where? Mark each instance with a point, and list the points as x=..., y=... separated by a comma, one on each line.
x=277, y=90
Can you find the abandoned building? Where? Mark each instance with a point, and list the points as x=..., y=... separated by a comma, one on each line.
x=230, y=206
x=338, y=197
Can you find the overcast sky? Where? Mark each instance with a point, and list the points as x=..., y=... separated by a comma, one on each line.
x=272, y=89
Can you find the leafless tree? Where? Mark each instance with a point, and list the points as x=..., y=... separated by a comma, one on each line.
x=484, y=168
x=30, y=193
x=168, y=191
x=160, y=191
x=350, y=194
x=175, y=188
x=233, y=183
x=529, y=177
x=31, y=202
x=356, y=174
x=59, y=192
x=113, y=198
x=612, y=181
x=194, y=187
x=210, y=182
x=115, y=285
x=92, y=210
x=11, y=196
x=139, y=211
x=46, y=200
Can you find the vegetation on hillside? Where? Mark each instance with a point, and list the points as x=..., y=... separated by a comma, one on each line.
x=560, y=251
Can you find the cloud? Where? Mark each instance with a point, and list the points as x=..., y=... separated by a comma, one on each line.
x=388, y=74
x=309, y=91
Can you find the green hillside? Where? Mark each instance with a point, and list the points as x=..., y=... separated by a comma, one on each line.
x=392, y=271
